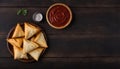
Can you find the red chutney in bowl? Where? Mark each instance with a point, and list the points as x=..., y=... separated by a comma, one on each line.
x=59, y=16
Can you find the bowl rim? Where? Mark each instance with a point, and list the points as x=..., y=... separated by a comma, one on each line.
x=61, y=27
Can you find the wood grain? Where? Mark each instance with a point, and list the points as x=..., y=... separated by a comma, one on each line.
x=91, y=41
x=71, y=3
x=59, y=63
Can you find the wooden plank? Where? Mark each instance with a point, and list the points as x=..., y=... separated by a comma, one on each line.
x=46, y=63
x=93, y=32
x=72, y=3
x=61, y=63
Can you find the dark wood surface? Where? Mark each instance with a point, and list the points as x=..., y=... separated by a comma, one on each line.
x=91, y=41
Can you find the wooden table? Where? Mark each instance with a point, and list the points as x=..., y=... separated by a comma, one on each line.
x=91, y=41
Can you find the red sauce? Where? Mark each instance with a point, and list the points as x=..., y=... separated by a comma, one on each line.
x=58, y=15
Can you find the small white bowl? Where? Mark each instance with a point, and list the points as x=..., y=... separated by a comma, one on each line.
x=37, y=16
